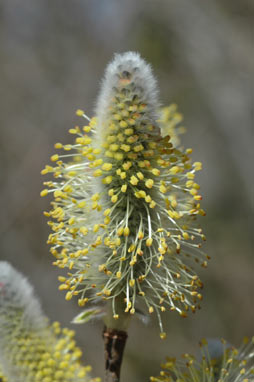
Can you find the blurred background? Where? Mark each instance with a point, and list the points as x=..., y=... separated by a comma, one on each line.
x=52, y=57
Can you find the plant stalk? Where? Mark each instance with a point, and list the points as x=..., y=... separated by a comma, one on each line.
x=114, y=343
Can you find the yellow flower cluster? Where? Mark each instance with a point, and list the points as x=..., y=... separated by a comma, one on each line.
x=125, y=199
x=45, y=357
x=232, y=365
x=32, y=350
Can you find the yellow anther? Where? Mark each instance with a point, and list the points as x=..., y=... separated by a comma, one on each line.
x=193, y=191
x=84, y=230
x=58, y=145
x=72, y=131
x=140, y=175
x=142, y=194
x=107, y=180
x=54, y=157
x=174, y=169
x=107, y=220
x=163, y=335
x=162, y=251
x=131, y=248
x=81, y=204
x=114, y=147
x=128, y=131
x=87, y=140
x=111, y=138
x=68, y=296
x=126, y=231
x=148, y=198
x=124, y=188
x=127, y=165
x=68, y=188
x=96, y=228
x=123, y=175
x=71, y=221
x=138, y=148
x=106, y=166
x=114, y=198
x=189, y=183
x=132, y=311
x=134, y=181
x=163, y=189
x=155, y=171
x=149, y=183
x=44, y=192
x=80, y=112
x=140, y=235
x=132, y=283
x=86, y=129
x=133, y=261
x=190, y=175
x=197, y=166
x=62, y=279
x=95, y=197
x=118, y=241
x=152, y=204
x=97, y=173
x=118, y=156
x=107, y=212
x=149, y=242
x=123, y=124
x=97, y=162
x=120, y=231
x=125, y=148
x=151, y=309
x=118, y=274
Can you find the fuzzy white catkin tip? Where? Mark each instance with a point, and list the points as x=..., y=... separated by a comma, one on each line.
x=17, y=294
x=126, y=68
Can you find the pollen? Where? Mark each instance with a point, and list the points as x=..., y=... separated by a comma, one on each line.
x=134, y=180
x=106, y=166
x=126, y=231
x=149, y=183
x=44, y=192
x=149, y=242
x=54, y=157
x=80, y=112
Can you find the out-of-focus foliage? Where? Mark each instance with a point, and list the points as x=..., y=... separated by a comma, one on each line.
x=52, y=56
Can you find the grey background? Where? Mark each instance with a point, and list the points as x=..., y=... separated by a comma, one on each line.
x=52, y=57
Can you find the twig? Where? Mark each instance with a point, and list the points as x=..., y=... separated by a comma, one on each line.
x=114, y=343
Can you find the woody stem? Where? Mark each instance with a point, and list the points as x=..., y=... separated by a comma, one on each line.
x=114, y=343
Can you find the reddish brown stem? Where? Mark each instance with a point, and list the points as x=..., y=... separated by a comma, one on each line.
x=114, y=343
